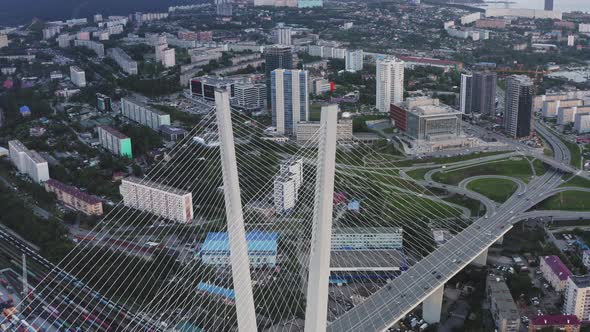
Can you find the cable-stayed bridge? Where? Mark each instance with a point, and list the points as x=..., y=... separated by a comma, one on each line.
x=252, y=249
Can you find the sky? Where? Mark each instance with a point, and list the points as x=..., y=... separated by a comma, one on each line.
x=23, y=11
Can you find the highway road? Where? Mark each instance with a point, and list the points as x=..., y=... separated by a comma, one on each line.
x=398, y=298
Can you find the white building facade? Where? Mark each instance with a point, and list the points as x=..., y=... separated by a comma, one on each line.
x=390, y=83
x=354, y=60
x=28, y=162
x=143, y=114
x=577, y=297
x=77, y=76
x=158, y=199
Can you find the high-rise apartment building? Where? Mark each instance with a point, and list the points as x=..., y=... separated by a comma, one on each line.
x=77, y=76
x=282, y=35
x=478, y=93
x=169, y=57
x=390, y=83
x=577, y=297
x=518, y=106
x=103, y=103
x=354, y=60
x=465, y=96
x=548, y=4
x=159, y=50
x=484, y=92
x=143, y=114
x=114, y=141
x=158, y=199
x=28, y=162
x=289, y=99
x=276, y=57
x=250, y=95
x=287, y=185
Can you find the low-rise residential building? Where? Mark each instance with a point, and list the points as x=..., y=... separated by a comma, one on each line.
x=577, y=297
x=28, y=162
x=367, y=238
x=502, y=307
x=172, y=133
x=158, y=199
x=308, y=131
x=262, y=249
x=98, y=48
x=555, y=272
x=74, y=198
x=567, y=115
x=143, y=114
x=582, y=123
x=546, y=323
x=114, y=141
x=550, y=107
x=124, y=61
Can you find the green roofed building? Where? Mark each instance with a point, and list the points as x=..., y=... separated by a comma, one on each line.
x=114, y=141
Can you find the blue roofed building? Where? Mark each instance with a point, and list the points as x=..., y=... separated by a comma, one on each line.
x=262, y=249
x=354, y=205
x=25, y=111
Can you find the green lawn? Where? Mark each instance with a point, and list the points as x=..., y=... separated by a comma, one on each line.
x=576, y=160
x=539, y=167
x=498, y=190
x=576, y=181
x=477, y=209
x=568, y=200
x=516, y=168
x=418, y=174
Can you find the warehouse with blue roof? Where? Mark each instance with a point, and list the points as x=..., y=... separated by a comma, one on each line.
x=262, y=249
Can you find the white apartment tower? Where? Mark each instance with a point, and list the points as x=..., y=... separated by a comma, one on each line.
x=158, y=199
x=577, y=297
x=169, y=57
x=289, y=99
x=78, y=76
x=354, y=60
x=282, y=35
x=390, y=83
x=287, y=184
x=28, y=162
x=3, y=40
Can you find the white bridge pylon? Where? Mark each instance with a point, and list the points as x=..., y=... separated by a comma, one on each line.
x=238, y=254
x=319, y=264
